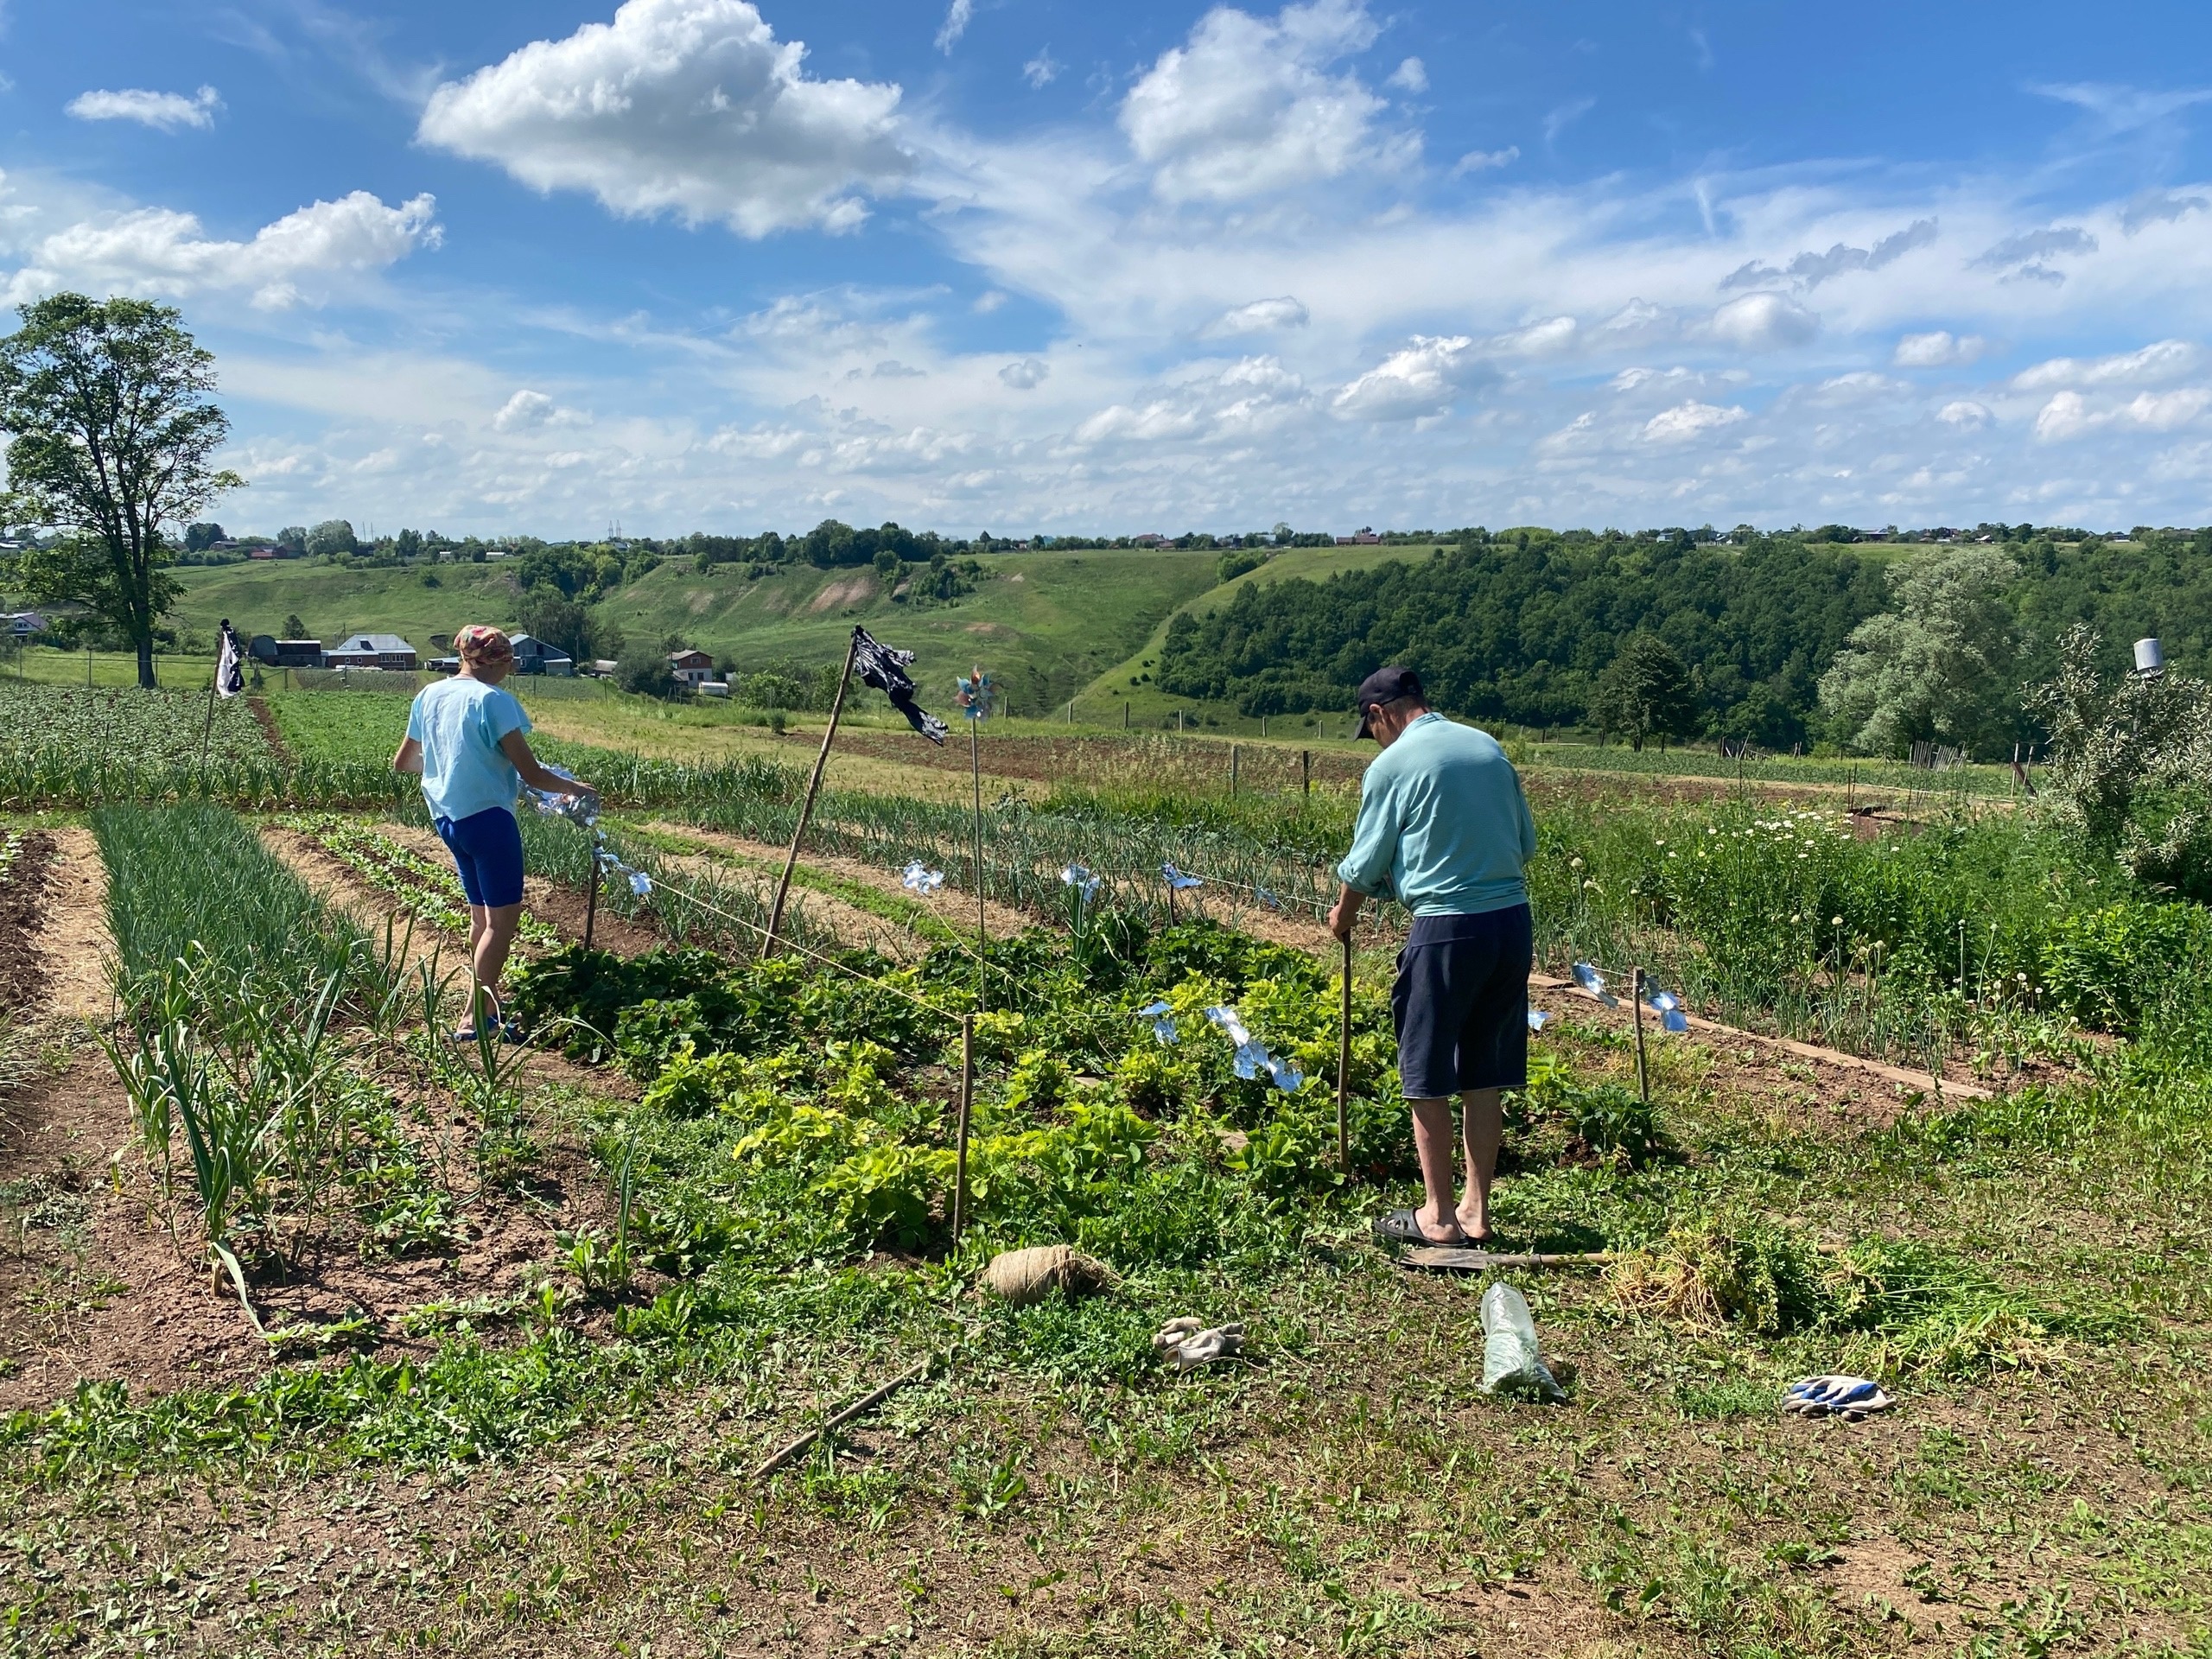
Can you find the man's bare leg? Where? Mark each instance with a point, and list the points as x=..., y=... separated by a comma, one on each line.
x=1485, y=1123
x=1433, y=1141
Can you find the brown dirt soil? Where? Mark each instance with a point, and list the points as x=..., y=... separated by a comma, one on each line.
x=73, y=943
x=101, y=1292
x=23, y=901
x=267, y=721
x=98, y=1289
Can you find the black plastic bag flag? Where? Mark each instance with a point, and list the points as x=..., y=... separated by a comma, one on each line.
x=879, y=666
x=230, y=663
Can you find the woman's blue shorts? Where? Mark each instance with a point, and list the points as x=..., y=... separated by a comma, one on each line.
x=486, y=848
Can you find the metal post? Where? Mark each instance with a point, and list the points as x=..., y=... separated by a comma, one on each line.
x=1642, y=1076
x=1344, y=1070
x=1125, y=715
x=960, y=1127
x=1305, y=771
x=807, y=807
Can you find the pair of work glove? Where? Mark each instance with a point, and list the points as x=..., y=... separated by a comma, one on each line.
x=1189, y=1343
x=1851, y=1398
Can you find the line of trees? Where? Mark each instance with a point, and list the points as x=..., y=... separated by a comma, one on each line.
x=1777, y=640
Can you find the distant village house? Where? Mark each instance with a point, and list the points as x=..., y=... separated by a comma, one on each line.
x=385, y=651
x=691, y=668
x=534, y=656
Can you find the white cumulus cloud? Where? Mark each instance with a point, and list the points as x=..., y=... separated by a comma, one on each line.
x=1937, y=350
x=1421, y=379
x=1687, y=421
x=1026, y=374
x=527, y=411
x=685, y=107
x=1965, y=413
x=1247, y=105
x=1250, y=397
x=159, y=250
x=2157, y=361
x=1762, y=322
x=164, y=111
x=1411, y=76
x=1260, y=317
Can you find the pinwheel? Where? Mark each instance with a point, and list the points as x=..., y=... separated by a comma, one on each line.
x=1163, y=1022
x=1594, y=982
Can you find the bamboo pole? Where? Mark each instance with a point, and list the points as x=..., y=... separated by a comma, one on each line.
x=807, y=807
x=1344, y=1070
x=960, y=1128
x=867, y=1402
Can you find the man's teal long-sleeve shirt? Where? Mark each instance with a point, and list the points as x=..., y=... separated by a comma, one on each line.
x=1443, y=827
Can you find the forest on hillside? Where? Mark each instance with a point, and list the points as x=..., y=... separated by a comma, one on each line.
x=1521, y=625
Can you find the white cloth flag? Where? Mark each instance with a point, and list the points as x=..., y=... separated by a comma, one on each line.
x=229, y=669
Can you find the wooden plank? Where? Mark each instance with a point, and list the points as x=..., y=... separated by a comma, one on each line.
x=1921, y=1080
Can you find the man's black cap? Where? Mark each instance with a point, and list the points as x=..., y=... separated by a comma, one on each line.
x=1387, y=685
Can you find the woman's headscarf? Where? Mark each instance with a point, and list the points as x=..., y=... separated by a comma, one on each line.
x=479, y=644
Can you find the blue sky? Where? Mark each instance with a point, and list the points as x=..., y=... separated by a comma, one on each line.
x=1024, y=265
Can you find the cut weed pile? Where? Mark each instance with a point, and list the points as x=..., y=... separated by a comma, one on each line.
x=561, y=1458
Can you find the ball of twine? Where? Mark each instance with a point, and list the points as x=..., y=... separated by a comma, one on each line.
x=1021, y=1277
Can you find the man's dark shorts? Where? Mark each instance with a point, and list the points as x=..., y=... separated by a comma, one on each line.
x=1461, y=1004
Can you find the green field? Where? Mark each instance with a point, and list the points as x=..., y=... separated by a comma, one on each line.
x=1149, y=705
x=1045, y=624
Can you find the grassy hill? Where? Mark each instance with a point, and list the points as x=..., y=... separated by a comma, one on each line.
x=1149, y=705
x=1045, y=624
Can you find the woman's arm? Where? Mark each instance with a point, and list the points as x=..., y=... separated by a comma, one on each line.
x=515, y=747
x=409, y=758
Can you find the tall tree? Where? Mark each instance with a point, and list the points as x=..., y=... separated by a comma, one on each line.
x=1645, y=692
x=1940, y=666
x=113, y=431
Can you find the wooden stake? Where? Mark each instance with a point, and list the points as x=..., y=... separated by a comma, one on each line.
x=1233, y=757
x=1344, y=1070
x=1642, y=1076
x=960, y=1128
x=982, y=938
x=1305, y=771
x=807, y=807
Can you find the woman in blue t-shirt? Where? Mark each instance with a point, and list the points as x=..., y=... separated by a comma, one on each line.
x=464, y=736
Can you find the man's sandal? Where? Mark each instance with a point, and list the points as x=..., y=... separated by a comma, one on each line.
x=1403, y=1227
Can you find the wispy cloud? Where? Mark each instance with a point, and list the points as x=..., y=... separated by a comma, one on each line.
x=957, y=16
x=163, y=112
x=2122, y=109
x=1043, y=69
x=1564, y=116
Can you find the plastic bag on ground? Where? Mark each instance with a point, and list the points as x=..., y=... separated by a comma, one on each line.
x=1513, y=1365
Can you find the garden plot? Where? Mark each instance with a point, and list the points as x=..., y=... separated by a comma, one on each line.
x=2030, y=1275
x=279, y=1085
